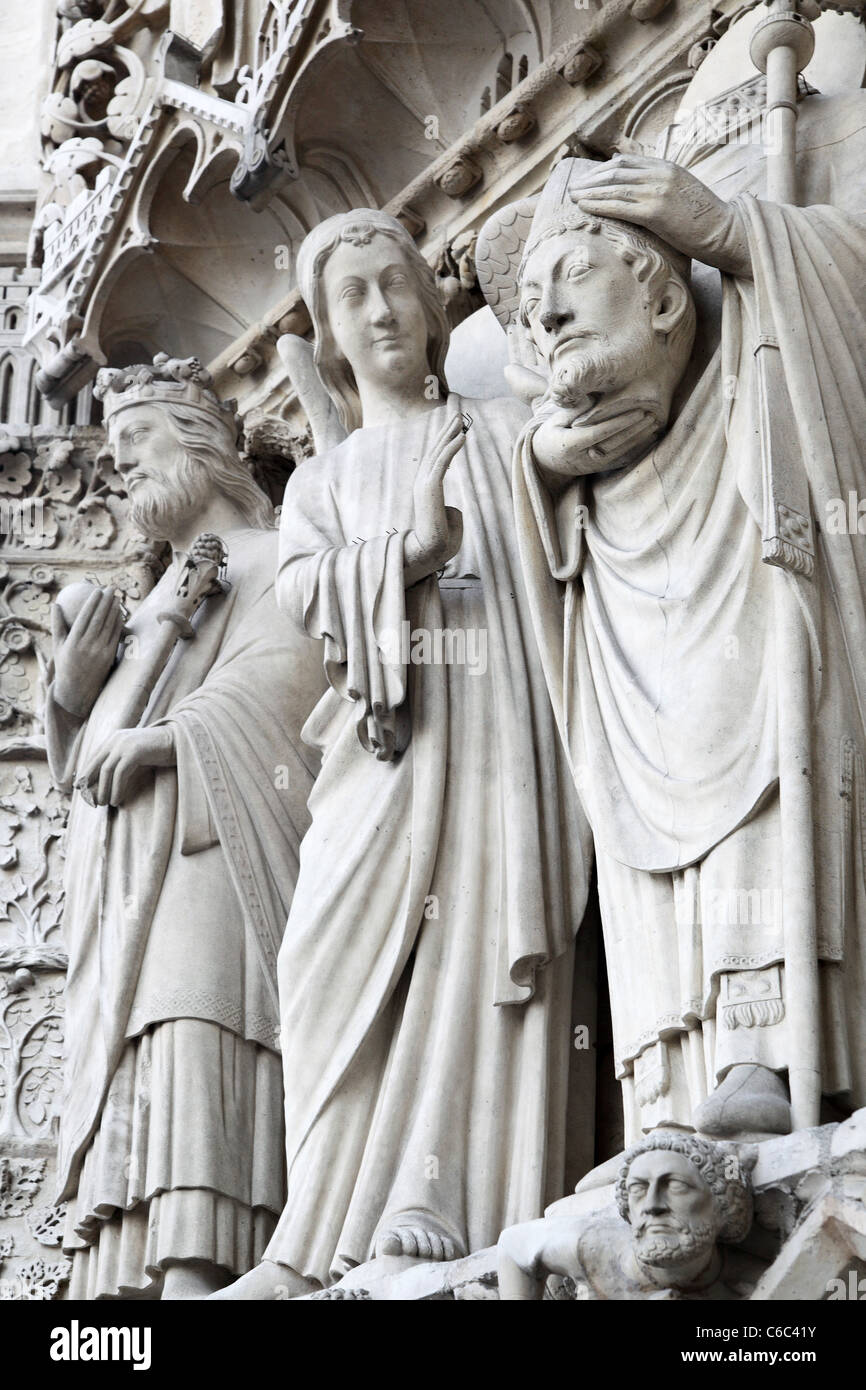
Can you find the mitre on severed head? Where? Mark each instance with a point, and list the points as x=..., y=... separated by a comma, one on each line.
x=515, y=229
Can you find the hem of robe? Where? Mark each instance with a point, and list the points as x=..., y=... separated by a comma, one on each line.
x=187, y=1162
x=132, y=1249
x=694, y=1058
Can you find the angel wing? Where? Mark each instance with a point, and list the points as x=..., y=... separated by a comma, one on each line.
x=498, y=253
x=296, y=355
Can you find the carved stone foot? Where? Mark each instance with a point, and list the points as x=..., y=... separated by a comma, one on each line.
x=751, y=1100
x=417, y=1242
x=268, y=1282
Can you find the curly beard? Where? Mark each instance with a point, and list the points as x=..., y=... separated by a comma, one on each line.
x=604, y=366
x=682, y=1245
x=165, y=503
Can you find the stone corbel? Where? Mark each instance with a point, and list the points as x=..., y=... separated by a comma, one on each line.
x=260, y=165
x=643, y=10
x=582, y=64
x=65, y=373
x=270, y=98
x=519, y=122
x=413, y=222
x=247, y=362
x=461, y=175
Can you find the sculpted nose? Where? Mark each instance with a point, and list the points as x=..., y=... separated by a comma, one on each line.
x=380, y=309
x=552, y=319
x=655, y=1202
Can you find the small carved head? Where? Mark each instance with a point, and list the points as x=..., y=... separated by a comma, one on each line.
x=682, y=1194
x=374, y=303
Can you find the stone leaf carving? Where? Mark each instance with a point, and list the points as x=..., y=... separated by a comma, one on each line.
x=45, y=1224
x=35, y=1281
x=31, y=900
x=20, y=1179
x=31, y=1050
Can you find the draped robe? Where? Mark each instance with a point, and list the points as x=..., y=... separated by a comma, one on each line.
x=176, y=902
x=696, y=687
x=425, y=973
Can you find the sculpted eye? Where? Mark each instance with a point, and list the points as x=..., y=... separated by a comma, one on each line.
x=530, y=305
x=351, y=292
x=575, y=271
x=398, y=279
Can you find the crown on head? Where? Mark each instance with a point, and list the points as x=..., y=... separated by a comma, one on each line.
x=167, y=380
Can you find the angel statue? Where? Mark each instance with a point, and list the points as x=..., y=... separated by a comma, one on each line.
x=426, y=969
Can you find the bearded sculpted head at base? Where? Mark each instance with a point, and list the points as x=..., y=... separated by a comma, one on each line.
x=682, y=1209
x=681, y=1195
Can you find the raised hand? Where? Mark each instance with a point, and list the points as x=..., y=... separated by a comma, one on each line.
x=672, y=203
x=438, y=530
x=84, y=652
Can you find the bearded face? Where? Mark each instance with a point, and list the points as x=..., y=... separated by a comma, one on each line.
x=165, y=488
x=599, y=366
x=163, y=505
x=672, y=1210
x=677, y=1244
x=589, y=316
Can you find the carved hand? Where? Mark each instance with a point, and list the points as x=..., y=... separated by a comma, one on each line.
x=567, y=447
x=115, y=771
x=84, y=653
x=673, y=204
x=438, y=531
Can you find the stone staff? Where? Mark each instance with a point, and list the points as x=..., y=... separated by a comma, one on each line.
x=201, y=577
x=781, y=46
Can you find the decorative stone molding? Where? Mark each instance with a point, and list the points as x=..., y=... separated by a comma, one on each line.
x=45, y=1224
x=31, y=1039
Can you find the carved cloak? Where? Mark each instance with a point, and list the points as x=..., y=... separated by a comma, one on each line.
x=676, y=740
x=425, y=975
x=177, y=901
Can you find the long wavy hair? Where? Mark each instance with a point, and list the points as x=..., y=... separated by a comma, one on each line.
x=208, y=444
x=358, y=228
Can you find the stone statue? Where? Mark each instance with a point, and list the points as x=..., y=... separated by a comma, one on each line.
x=702, y=645
x=181, y=860
x=426, y=970
x=681, y=1204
